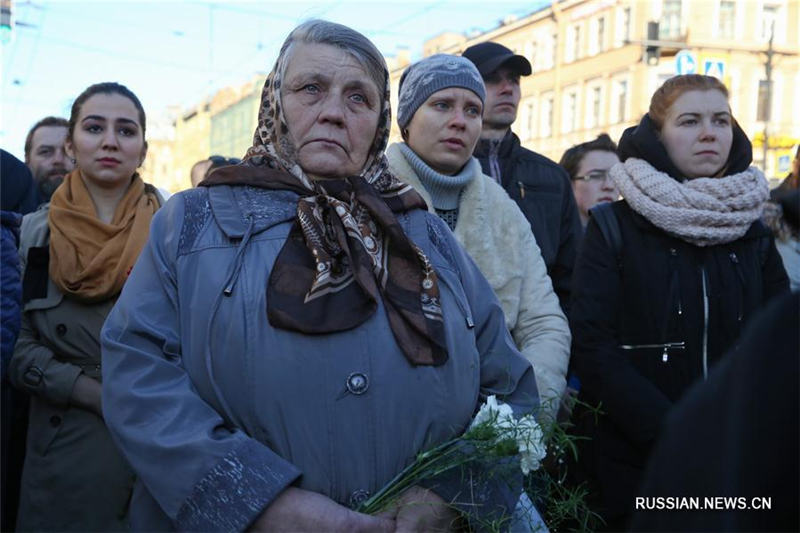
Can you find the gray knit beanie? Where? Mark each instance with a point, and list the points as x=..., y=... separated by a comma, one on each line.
x=434, y=73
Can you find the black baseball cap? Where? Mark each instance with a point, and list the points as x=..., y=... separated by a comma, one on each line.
x=489, y=57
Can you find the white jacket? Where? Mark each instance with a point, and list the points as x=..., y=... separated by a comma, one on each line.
x=498, y=237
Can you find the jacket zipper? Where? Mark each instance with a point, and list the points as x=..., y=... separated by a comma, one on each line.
x=705, y=323
x=737, y=267
x=666, y=346
x=521, y=190
x=467, y=314
x=674, y=254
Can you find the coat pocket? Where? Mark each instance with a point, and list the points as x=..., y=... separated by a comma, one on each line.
x=657, y=362
x=665, y=348
x=45, y=423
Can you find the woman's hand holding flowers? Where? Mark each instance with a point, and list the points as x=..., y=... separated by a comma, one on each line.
x=301, y=510
x=419, y=509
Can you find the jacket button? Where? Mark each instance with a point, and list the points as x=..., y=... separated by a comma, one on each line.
x=61, y=329
x=357, y=497
x=55, y=420
x=357, y=383
x=33, y=376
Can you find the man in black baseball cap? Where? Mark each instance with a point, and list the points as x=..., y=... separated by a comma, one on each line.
x=540, y=187
x=488, y=57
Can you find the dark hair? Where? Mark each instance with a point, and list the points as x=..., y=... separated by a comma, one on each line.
x=46, y=121
x=108, y=87
x=674, y=87
x=221, y=161
x=218, y=161
x=572, y=158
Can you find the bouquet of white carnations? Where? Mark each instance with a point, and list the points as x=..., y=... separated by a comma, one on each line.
x=493, y=433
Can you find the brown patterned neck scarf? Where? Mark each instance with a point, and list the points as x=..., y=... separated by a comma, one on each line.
x=346, y=248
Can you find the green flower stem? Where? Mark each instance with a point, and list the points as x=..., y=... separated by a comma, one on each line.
x=428, y=464
x=412, y=474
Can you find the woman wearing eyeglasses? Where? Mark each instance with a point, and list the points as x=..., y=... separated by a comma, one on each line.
x=587, y=165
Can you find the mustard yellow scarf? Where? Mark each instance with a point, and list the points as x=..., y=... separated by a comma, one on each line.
x=89, y=259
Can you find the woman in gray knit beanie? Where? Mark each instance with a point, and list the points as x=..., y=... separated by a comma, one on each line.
x=439, y=114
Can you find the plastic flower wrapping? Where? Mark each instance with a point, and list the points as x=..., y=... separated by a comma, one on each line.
x=493, y=433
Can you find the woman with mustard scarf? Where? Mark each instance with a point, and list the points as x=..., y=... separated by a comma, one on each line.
x=77, y=253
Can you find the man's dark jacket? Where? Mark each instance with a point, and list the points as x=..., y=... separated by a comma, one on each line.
x=543, y=192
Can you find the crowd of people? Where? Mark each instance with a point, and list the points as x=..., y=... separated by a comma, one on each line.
x=270, y=347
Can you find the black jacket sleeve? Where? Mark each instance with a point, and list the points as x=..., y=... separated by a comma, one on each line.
x=773, y=273
x=571, y=230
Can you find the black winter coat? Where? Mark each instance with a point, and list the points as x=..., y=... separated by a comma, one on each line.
x=543, y=192
x=648, y=324
x=736, y=435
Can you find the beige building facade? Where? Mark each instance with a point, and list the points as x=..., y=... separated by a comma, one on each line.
x=592, y=71
x=192, y=140
x=234, y=117
x=159, y=167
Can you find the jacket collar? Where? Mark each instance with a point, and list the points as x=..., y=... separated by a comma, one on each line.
x=235, y=206
x=470, y=208
x=508, y=144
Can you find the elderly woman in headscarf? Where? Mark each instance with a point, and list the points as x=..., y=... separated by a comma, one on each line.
x=299, y=327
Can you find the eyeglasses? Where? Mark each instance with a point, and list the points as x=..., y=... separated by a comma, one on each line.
x=595, y=175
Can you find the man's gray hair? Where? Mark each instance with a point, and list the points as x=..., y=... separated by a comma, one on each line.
x=317, y=31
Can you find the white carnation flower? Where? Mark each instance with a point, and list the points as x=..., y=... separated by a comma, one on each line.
x=526, y=432
x=530, y=443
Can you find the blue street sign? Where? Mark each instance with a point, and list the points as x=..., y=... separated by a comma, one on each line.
x=714, y=67
x=685, y=62
x=783, y=163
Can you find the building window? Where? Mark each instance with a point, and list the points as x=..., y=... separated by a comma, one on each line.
x=596, y=101
x=670, y=27
x=570, y=113
x=530, y=122
x=549, y=49
x=601, y=34
x=598, y=39
x=727, y=18
x=547, y=117
x=572, y=51
x=623, y=29
x=764, y=94
x=621, y=89
x=769, y=20
x=530, y=52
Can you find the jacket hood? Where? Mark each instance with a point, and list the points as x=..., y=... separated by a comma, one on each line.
x=642, y=141
x=236, y=207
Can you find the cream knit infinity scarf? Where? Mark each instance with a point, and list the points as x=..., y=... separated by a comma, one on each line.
x=701, y=211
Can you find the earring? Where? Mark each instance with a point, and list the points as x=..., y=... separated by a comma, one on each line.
x=73, y=160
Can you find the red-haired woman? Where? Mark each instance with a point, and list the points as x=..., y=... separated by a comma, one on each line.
x=655, y=306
